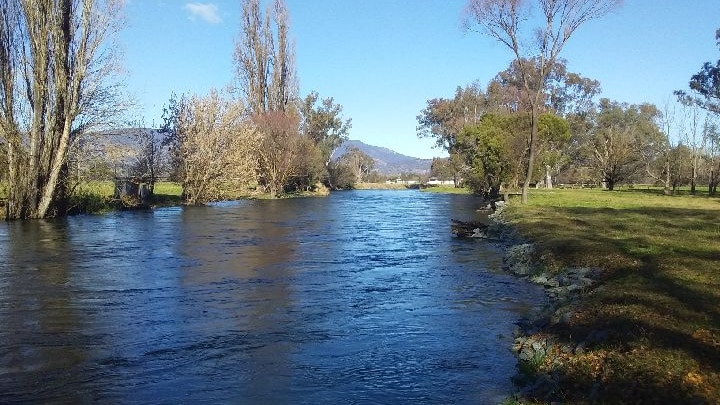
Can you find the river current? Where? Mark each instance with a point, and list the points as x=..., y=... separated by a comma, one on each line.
x=362, y=297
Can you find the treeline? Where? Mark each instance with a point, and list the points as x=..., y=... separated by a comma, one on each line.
x=60, y=99
x=262, y=134
x=581, y=140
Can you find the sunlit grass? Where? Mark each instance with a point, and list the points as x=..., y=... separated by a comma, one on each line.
x=658, y=307
x=447, y=190
x=380, y=186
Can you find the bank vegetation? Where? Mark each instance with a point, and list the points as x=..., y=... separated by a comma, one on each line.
x=645, y=330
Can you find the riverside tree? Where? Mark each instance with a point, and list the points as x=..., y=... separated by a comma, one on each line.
x=57, y=65
x=265, y=70
x=502, y=19
x=323, y=124
x=213, y=142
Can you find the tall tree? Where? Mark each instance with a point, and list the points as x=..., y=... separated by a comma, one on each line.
x=265, y=58
x=324, y=124
x=443, y=119
x=501, y=20
x=56, y=71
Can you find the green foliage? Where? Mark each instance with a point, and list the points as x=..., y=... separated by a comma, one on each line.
x=486, y=148
x=621, y=139
x=342, y=176
x=705, y=85
x=323, y=124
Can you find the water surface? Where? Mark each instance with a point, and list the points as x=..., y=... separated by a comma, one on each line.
x=361, y=297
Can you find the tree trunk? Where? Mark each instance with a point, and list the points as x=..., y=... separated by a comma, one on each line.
x=548, y=178
x=666, y=188
x=694, y=176
x=531, y=154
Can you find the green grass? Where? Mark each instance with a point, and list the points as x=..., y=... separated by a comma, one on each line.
x=380, y=186
x=447, y=190
x=653, y=325
x=96, y=197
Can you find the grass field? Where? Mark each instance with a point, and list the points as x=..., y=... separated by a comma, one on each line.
x=650, y=333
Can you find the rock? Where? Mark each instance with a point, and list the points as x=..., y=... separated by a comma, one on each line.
x=462, y=229
x=526, y=354
x=518, y=259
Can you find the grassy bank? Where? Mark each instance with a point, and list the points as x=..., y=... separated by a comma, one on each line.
x=380, y=186
x=649, y=331
x=96, y=197
x=447, y=190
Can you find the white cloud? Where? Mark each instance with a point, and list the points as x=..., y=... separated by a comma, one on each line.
x=207, y=12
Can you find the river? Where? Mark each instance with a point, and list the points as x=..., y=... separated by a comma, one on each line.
x=362, y=297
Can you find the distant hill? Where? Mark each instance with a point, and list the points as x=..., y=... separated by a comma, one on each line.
x=387, y=161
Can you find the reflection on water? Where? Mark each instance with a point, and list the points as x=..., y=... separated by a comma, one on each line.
x=361, y=297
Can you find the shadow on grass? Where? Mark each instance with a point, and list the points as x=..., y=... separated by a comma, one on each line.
x=657, y=314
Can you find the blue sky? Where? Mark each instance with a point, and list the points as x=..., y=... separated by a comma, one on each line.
x=383, y=59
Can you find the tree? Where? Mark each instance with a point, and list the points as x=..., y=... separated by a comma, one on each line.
x=486, y=150
x=705, y=85
x=711, y=132
x=620, y=137
x=323, y=124
x=443, y=168
x=150, y=157
x=501, y=20
x=214, y=144
x=554, y=134
x=359, y=162
x=56, y=71
x=443, y=119
x=278, y=150
x=265, y=58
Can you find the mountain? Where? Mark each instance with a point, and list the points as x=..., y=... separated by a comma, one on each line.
x=387, y=161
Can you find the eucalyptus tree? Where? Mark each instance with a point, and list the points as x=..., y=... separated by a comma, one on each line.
x=323, y=124
x=444, y=118
x=502, y=20
x=57, y=70
x=705, y=85
x=620, y=138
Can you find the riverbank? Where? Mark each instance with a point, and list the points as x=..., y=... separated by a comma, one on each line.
x=635, y=291
x=96, y=197
x=380, y=186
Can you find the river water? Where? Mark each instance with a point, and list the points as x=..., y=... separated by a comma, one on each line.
x=359, y=298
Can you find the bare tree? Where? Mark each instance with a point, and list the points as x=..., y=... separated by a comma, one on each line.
x=56, y=67
x=265, y=58
x=502, y=19
x=150, y=155
x=279, y=150
x=214, y=145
